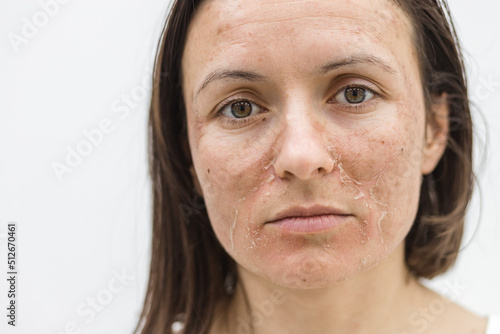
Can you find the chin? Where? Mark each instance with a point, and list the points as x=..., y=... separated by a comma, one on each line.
x=315, y=267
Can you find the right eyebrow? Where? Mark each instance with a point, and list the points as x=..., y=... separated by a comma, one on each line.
x=230, y=74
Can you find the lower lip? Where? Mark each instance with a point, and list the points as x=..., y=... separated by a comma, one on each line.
x=311, y=224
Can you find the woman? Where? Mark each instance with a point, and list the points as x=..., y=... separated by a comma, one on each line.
x=311, y=161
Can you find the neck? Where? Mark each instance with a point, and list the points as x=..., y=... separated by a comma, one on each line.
x=370, y=302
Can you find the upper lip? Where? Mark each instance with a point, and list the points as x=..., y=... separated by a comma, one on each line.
x=298, y=211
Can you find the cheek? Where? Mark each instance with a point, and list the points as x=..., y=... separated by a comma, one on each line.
x=380, y=171
x=232, y=177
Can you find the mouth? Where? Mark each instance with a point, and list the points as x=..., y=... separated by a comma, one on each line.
x=311, y=220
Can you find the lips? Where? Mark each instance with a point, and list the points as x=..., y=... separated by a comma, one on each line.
x=309, y=220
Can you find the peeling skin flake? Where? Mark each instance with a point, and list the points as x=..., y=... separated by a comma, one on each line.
x=372, y=196
x=364, y=262
x=344, y=177
x=384, y=213
x=231, y=229
x=361, y=195
x=272, y=162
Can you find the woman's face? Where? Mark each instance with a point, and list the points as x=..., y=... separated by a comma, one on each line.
x=314, y=107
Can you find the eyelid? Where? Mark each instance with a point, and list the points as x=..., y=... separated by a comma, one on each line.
x=344, y=80
x=367, y=86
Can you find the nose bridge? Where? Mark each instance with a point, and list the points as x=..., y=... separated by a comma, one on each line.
x=302, y=152
x=300, y=114
x=300, y=126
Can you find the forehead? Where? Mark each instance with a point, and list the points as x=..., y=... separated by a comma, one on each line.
x=294, y=34
x=238, y=15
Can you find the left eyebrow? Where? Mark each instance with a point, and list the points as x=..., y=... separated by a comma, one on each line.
x=230, y=74
x=357, y=59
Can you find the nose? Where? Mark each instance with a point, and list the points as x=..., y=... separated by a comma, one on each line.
x=302, y=153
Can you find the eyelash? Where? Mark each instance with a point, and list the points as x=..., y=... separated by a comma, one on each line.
x=349, y=106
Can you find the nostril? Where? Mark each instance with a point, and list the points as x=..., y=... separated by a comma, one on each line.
x=304, y=166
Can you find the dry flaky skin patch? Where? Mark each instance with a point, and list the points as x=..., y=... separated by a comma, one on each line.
x=377, y=203
x=251, y=241
x=305, y=260
x=366, y=193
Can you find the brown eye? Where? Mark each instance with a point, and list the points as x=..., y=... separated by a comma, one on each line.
x=241, y=109
x=355, y=95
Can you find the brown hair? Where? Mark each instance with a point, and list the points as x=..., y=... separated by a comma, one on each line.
x=190, y=272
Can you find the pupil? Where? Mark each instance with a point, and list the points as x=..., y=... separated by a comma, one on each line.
x=241, y=109
x=355, y=95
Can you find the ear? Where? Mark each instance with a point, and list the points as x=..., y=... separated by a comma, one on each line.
x=436, y=133
x=196, y=182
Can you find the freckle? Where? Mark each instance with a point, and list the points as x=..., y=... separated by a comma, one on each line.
x=303, y=280
x=383, y=142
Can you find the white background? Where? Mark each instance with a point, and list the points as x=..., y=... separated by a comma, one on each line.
x=76, y=235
